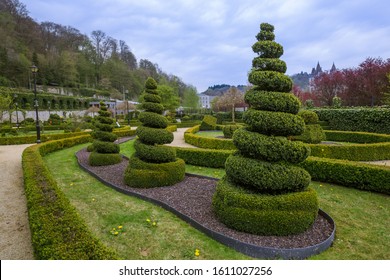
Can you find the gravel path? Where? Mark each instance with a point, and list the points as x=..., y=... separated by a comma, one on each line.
x=15, y=236
x=178, y=140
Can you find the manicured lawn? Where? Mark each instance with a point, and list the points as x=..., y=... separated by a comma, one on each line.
x=210, y=133
x=362, y=218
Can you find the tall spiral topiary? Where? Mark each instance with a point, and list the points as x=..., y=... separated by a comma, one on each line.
x=105, y=152
x=153, y=164
x=264, y=192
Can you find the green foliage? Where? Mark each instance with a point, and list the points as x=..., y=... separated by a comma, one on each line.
x=268, y=49
x=154, y=153
x=153, y=107
x=208, y=143
x=105, y=147
x=270, y=81
x=272, y=101
x=356, y=137
x=151, y=136
x=264, y=214
x=169, y=99
x=266, y=177
x=104, y=136
x=203, y=157
x=269, y=148
x=150, y=84
x=101, y=159
x=309, y=117
x=57, y=230
x=375, y=120
x=274, y=123
x=141, y=174
x=154, y=98
x=269, y=64
x=28, y=139
x=349, y=174
x=357, y=152
x=208, y=123
x=228, y=130
x=313, y=134
x=153, y=120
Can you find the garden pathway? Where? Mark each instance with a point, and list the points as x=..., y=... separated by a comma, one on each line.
x=15, y=236
x=178, y=140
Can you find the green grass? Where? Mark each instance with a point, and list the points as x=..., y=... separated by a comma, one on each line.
x=210, y=133
x=362, y=218
x=104, y=209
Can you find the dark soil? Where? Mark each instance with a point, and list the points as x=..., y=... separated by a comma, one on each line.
x=192, y=197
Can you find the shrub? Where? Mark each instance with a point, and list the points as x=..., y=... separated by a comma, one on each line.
x=104, y=136
x=272, y=101
x=269, y=148
x=105, y=147
x=153, y=136
x=375, y=120
x=153, y=107
x=309, y=117
x=141, y=174
x=57, y=231
x=100, y=159
x=271, y=80
x=265, y=177
x=349, y=174
x=205, y=142
x=203, y=157
x=208, y=123
x=228, y=130
x=264, y=214
x=154, y=153
x=274, y=123
x=356, y=137
x=313, y=134
x=153, y=120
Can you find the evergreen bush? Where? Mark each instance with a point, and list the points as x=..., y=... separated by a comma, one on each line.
x=153, y=165
x=228, y=130
x=265, y=192
x=208, y=123
x=105, y=152
x=313, y=132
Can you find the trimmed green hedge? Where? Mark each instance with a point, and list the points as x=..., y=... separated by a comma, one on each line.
x=153, y=136
x=102, y=159
x=203, y=157
x=141, y=174
x=357, y=152
x=272, y=101
x=356, y=137
x=260, y=214
x=29, y=139
x=208, y=143
x=266, y=177
x=153, y=107
x=349, y=174
x=375, y=120
x=154, y=153
x=313, y=134
x=274, y=123
x=57, y=230
x=269, y=148
x=271, y=80
x=208, y=123
x=228, y=130
x=153, y=120
x=106, y=147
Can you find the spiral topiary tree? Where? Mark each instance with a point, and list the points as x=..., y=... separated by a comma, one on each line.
x=153, y=164
x=104, y=151
x=264, y=192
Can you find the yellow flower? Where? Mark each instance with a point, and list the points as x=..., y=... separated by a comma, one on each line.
x=120, y=227
x=116, y=233
x=148, y=220
x=71, y=184
x=197, y=252
x=154, y=224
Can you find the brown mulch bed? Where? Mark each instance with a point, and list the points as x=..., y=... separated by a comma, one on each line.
x=192, y=197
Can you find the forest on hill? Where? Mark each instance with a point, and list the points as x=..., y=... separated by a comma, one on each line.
x=67, y=58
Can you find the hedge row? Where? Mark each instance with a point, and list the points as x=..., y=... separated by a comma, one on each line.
x=357, y=119
x=356, y=137
x=29, y=139
x=357, y=152
x=208, y=143
x=208, y=123
x=349, y=174
x=57, y=230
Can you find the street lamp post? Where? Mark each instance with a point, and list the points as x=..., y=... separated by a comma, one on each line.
x=48, y=106
x=34, y=71
x=16, y=107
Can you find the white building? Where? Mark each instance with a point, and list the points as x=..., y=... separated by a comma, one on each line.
x=205, y=100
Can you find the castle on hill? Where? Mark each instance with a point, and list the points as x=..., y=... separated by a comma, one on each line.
x=304, y=79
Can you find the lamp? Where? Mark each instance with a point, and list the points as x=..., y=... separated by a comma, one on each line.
x=34, y=71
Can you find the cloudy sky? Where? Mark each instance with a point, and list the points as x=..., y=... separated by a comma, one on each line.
x=208, y=42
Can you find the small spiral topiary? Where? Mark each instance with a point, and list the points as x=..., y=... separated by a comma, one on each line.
x=264, y=191
x=104, y=151
x=153, y=165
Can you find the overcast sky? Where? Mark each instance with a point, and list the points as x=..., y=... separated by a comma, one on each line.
x=208, y=42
